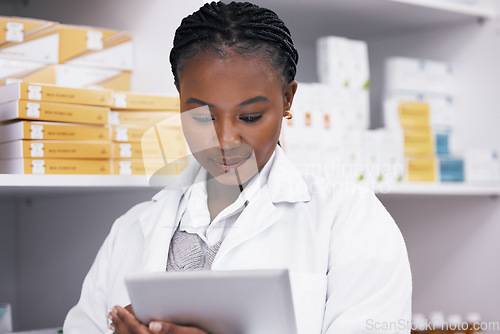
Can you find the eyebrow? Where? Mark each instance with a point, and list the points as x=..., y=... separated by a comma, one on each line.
x=200, y=102
x=256, y=99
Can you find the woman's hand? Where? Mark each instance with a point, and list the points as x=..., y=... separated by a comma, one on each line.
x=124, y=322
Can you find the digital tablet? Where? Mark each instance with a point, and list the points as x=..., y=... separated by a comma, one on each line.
x=220, y=302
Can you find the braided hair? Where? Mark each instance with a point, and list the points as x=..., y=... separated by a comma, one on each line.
x=242, y=27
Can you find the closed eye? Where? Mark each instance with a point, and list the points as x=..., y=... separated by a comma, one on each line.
x=250, y=119
x=203, y=118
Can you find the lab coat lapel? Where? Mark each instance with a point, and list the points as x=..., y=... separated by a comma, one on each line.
x=158, y=225
x=284, y=184
x=257, y=216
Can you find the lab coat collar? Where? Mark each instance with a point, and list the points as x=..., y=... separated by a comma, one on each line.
x=285, y=182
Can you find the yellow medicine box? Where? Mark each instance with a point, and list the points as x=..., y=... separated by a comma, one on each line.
x=52, y=131
x=414, y=115
x=53, y=112
x=55, y=166
x=52, y=93
x=51, y=42
x=63, y=75
x=421, y=169
x=55, y=149
x=139, y=118
x=138, y=101
x=418, y=142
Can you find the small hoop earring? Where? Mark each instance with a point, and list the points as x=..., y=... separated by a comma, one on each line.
x=288, y=115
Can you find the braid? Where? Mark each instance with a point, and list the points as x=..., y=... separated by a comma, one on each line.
x=243, y=26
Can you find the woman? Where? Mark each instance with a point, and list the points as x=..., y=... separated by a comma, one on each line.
x=243, y=205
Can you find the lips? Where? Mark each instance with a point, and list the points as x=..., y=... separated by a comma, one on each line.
x=228, y=163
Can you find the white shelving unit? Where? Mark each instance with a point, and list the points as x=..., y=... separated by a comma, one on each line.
x=33, y=185
x=366, y=18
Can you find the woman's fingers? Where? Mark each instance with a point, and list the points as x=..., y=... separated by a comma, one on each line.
x=160, y=327
x=126, y=323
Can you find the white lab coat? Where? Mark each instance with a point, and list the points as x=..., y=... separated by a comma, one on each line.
x=348, y=261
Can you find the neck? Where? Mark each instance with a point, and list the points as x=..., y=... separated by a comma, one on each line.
x=220, y=196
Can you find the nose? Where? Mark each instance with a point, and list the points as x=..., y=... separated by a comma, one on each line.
x=227, y=134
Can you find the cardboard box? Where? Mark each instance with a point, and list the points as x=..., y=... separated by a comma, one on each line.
x=55, y=149
x=419, y=142
x=482, y=165
x=150, y=150
x=29, y=39
x=53, y=112
x=421, y=169
x=147, y=167
x=52, y=131
x=50, y=42
x=414, y=114
x=90, y=46
x=332, y=53
x=52, y=93
x=139, y=118
x=128, y=133
x=451, y=169
x=11, y=68
x=55, y=166
x=66, y=76
x=138, y=101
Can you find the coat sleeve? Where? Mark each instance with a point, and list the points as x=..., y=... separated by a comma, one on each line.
x=369, y=278
x=89, y=316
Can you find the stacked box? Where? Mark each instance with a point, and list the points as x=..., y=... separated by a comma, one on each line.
x=343, y=69
x=48, y=129
x=147, y=134
x=419, y=100
x=65, y=55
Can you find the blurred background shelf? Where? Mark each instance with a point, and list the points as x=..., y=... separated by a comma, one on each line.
x=439, y=189
x=35, y=185
x=368, y=18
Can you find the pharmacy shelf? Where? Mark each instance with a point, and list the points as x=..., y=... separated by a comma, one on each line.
x=36, y=185
x=438, y=189
x=363, y=19
x=453, y=7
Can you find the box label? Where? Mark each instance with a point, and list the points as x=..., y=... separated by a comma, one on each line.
x=94, y=40
x=33, y=110
x=35, y=93
x=36, y=150
x=36, y=131
x=14, y=32
x=38, y=167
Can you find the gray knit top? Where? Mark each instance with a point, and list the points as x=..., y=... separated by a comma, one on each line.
x=186, y=253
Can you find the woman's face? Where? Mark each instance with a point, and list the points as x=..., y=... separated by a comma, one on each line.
x=232, y=109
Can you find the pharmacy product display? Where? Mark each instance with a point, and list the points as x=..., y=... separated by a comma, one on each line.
x=66, y=108
x=329, y=131
x=419, y=102
x=146, y=134
x=74, y=56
